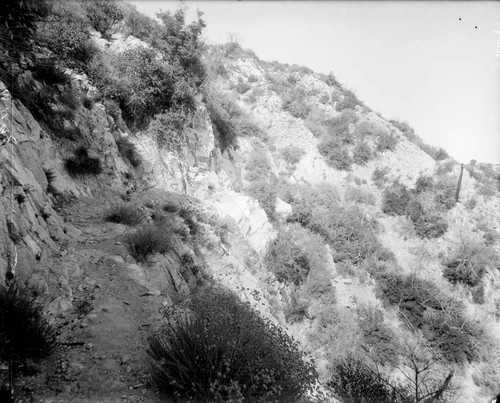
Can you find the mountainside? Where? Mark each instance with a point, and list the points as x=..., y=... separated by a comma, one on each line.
x=175, y=216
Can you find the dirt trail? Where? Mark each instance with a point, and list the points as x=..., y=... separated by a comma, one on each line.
x=112, y=315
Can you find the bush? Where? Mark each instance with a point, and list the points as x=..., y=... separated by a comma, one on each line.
x=358, y=194
x=348, y=232
x=362, y=153
x=379, y=176
x=287, y=260
x=292, y=154
x=386, y=142
x=65, y=32
x=395, y=199
x=82, y=163
x=440, y=318
x=24, y=331
x=242, y=87
x=125, y=214
x=137, y=24
x=128, y=151
x=50, y=73
x=469, y=262
x=252, y=359
x=427, y=224
x=335, y=154
x=339, y=127
x=148, y=240
x=103, y=14
x=349, y=101
x=355, y=382
x=264, y=190
x=294, y=101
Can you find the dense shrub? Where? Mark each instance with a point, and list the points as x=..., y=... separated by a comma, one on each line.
x=125, y=214
x=103, y=14
x=292, y=154
x=386, y=142
x=358, y=194
x=395, y=199
x=349, y=101
x=440, y=318
x=264, y=190
x=242, y=87
x=335, y=154
x=294, y=101
x=379, y=176
x=348, y=232
x=148, y=240
x=355, y=382
x=468, y=263
x=427, y=224
x=65, y=32
x=128, y=151
x=136, y=23
x=49, y=72
x=339, y=127
x=286, y=259
x=252, y=359
x=83, y=164
x=24, y=331
x=362, y=153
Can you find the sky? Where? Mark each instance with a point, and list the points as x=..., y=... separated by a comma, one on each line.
x=435, y=65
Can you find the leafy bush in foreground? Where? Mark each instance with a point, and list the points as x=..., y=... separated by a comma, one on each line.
x=24, y=331
x=251, y=359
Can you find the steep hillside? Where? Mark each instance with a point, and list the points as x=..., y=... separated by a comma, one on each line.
x=174, y=215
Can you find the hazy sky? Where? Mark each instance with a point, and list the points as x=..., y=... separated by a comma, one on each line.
x=435, y=65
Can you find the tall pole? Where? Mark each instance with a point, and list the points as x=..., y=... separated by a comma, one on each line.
x=459, y=184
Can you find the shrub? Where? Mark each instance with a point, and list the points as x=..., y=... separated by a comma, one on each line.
x=292, y=154
x=148, y=240
x=445, y=167
x=103, y=14
x=264, y=190
x=469, y=262
x=50, y=73
x=353, y=381
x=339, y=127
x=386, y=142
x=82, y=164
x=358, y=194
x=395, y=199
x=137, y=24
x=348, y=232
x=294, y=101
x=65, y=32
x=242, y=87
x=362, y=153
x=424, y=184
x=168, y=129
x=252, y=359
x=427, y=224
x=349, y=101
x=296, y=309
x=125, y=214
x=88, y=103
x=440, y=318
x=287, y=260
x=24, y=331
x=379, y=176
x=335, y=154
x=128, y=151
